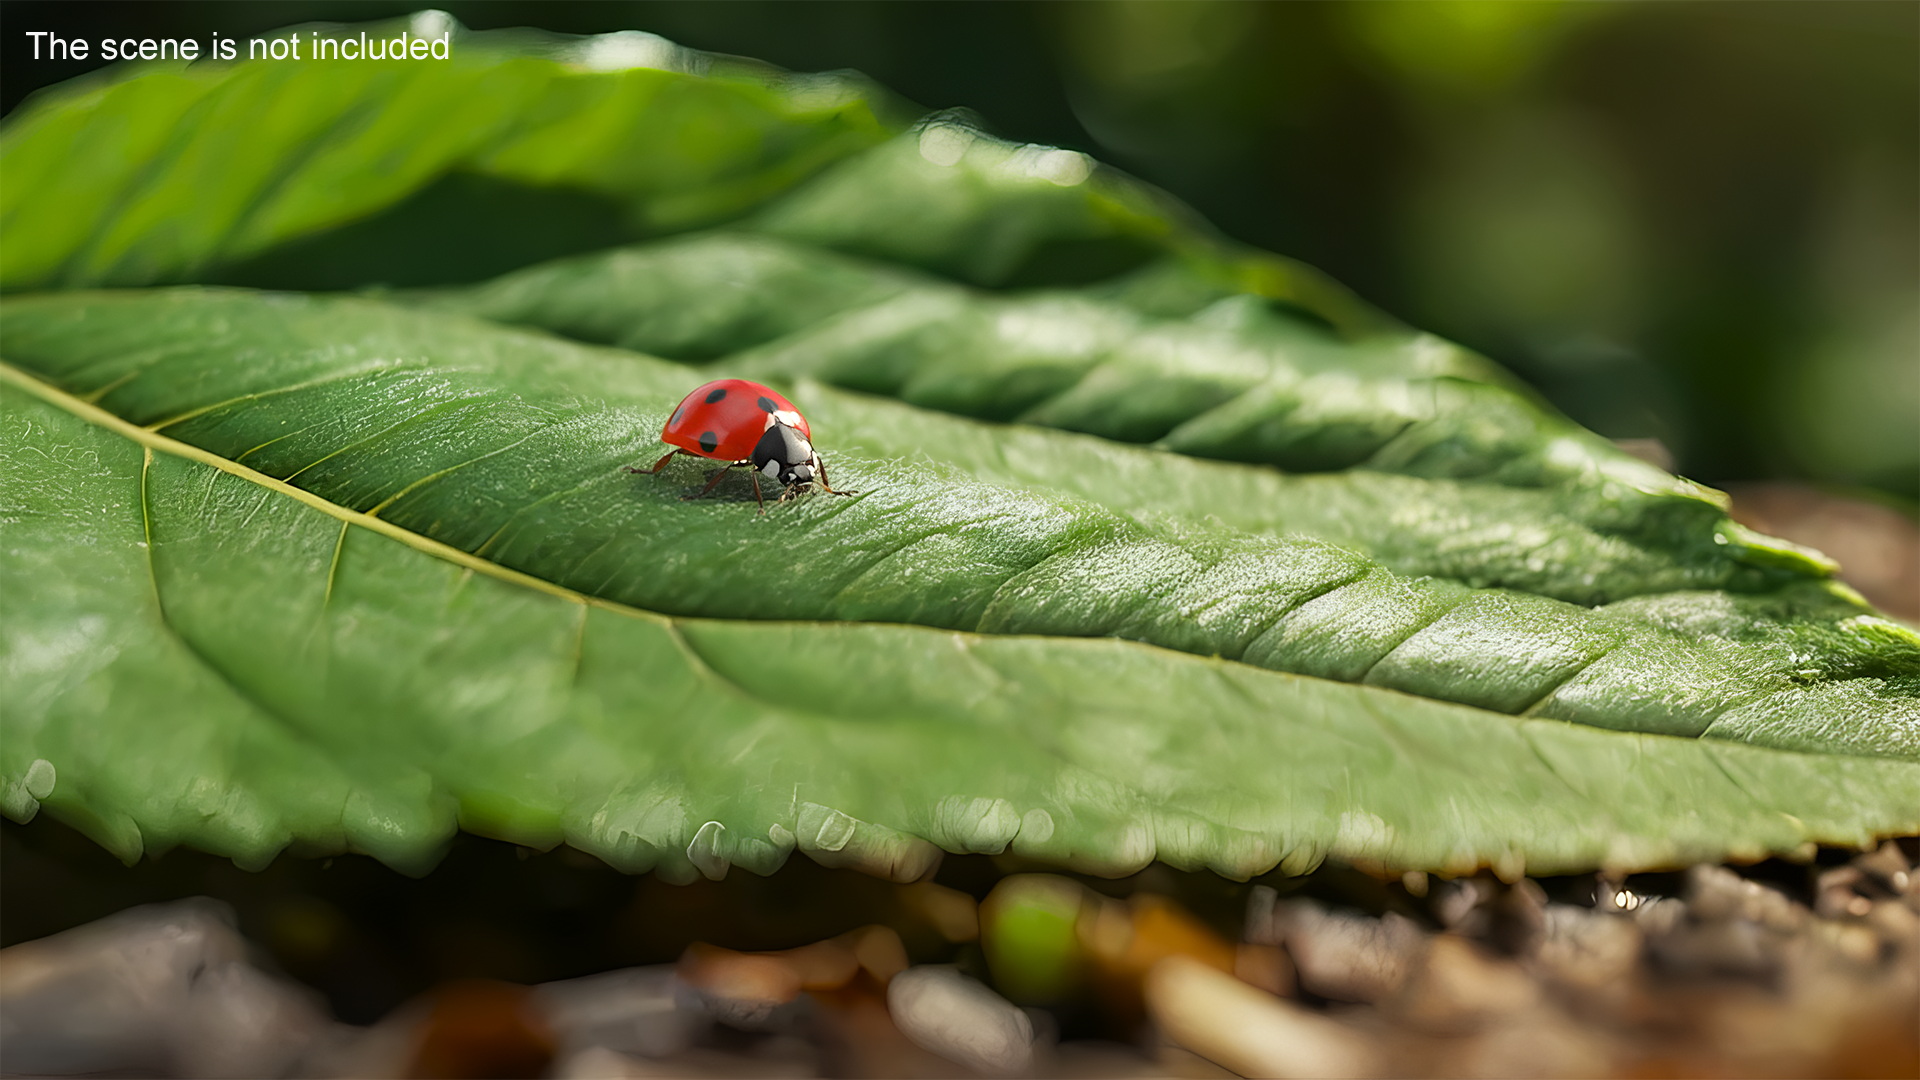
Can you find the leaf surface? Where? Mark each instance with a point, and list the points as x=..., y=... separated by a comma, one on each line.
x=252, y=667
x=1163, y=547
x=328, y=173
x=1438, y=455
x=511, y=446
x=351, y=175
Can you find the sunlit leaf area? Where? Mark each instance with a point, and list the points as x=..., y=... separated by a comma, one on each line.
x=1347, y=552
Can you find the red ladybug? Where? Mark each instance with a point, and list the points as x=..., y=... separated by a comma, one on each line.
x=745, y=423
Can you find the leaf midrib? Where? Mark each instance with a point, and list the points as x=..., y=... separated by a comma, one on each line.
x=477, y=561
x=1389, y=715
x=153, y=441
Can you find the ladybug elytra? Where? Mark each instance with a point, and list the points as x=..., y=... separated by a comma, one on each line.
x=745, y=424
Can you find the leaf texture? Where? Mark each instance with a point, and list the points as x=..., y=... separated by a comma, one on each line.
x=1239, y=382
x=372, y=176
x=510, y=446
x=322, y=172
x=393, y=687
x=1164, y=548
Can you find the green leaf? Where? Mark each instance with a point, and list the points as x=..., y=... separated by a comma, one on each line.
x=195, y=653
x=1439, y=456
x=338, y=173
x=510, y=446
x=355, y=174
x=337, y=574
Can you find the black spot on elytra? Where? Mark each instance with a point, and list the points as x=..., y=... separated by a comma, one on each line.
x=707, y=438
x=677, y=414
x=767, y=405
x=716, y=395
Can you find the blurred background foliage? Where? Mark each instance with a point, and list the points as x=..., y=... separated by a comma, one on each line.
x=1694, y=222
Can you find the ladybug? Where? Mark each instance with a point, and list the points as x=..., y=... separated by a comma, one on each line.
x=745, y=423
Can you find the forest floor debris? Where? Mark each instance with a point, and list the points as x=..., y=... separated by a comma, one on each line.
x=1773, y=970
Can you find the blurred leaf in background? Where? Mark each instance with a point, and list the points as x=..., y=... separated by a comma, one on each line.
x=1685, y=222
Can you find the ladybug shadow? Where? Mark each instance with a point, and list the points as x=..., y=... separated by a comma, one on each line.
x=736, y=484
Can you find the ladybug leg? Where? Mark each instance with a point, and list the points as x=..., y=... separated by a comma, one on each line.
x=714, y=482
x=657, y=466
x=754, y=475
x=829, y=490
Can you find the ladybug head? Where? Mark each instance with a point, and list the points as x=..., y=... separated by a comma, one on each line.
x=784, y=456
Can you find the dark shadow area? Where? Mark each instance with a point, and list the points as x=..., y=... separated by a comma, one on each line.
x=370, y=938
x=431, y=238
x=1072, y=262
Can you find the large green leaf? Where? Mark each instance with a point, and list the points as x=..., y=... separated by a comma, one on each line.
x=219, y=659
x=340, y=574
x=330, y=174
x=510, y=446
x=1448, y=470
x=369, y=175
x=335, y=173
